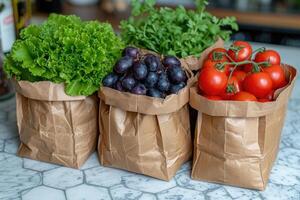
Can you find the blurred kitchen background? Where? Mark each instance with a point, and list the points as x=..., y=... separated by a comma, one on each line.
x=267, y=21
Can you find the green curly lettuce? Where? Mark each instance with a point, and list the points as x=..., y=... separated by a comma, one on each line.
x=66, y=50
x=177, y=32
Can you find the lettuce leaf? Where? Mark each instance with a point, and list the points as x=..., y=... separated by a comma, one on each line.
x=66, y=50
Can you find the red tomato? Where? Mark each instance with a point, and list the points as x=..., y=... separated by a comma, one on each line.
x=240, y=51
x=214, y=64
x=227, y=96
x=213, y=97
x=277, y=75
x=233, y=87
x=268, y=55
x=248, y=67
x=233, y=68
x=212, y=81
x=263, y=100
x=259, y=84
x=240, y=75
x=218, y=55
x=270, y=95
x=243, y=96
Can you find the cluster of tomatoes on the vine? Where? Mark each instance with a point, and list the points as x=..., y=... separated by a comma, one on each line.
x=234, y=75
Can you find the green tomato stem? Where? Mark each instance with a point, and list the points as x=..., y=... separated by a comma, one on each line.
x=261, y=49
x=256, y=67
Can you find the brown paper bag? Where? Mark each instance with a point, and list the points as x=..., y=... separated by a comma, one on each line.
x=143, y=134
x=236, y=143
x=53, y=126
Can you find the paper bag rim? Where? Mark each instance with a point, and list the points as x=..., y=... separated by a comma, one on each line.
x=44, y=91
x=195, y=63
x=243, y=108
x=144, y=104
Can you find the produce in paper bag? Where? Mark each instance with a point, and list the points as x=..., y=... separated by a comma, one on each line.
x=146, y=130
x=239, y=123
x=58, y=66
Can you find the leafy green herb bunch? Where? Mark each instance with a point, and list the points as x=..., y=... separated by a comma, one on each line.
x=179, y=32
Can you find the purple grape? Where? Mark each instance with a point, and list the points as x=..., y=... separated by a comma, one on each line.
x=163, y=84
x=151, y=79
x=123, y=65
x=176, y=74
x=128, y=83
x=153, y=62
x=131, y=52
x=171, y=61
x=110, y=79
x=139, y=89
x=163, y=75
x=154, y=93
x=140, y=71
x=174, y=89
x=118, y=86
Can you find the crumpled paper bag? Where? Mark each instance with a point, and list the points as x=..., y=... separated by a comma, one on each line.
x=53, y=126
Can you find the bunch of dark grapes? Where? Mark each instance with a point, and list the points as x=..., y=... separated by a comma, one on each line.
x=146, y=75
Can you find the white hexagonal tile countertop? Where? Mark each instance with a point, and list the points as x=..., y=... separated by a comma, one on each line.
x=26, y=179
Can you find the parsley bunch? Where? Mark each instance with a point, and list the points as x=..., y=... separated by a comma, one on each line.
x=177, y=32
x=66, y=50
